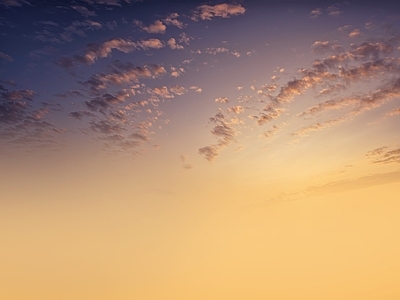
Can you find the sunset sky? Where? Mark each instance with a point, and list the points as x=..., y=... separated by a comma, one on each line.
x=199, y=150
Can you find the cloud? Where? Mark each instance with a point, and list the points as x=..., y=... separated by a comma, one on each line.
x=123, y=73
x=119, y=133
x=238, y=109
x=103, y=102
x=196, y=89
x=362, y=102
x=7, y=57
x=18, y=95
x=269, y=113
x=150, y=43
x=83, y=10
x=221, y=100
x=76, y=28
x=184, y=38
x=80, y=114
x=371, y=50
x=185, y=165
x=271, y=132
x=173, y=45
x=107, y=2
x=334, y=10
x=321, y=47
x=318, y=127
x=14, y=107
x=178, y=90
x=95, y=51
x=377, y=151
x=330, y=105
x=176, y=72
x=224, y=10
x=355, y=33
x=106, y=127
x=353, y=184
x=335, y=73
x=172, y=19
x=69, y=94
x=215, y=51
x=156, y=27
x=224, y=132
x=22, y=124
x=209, y=152
x=315, y=13
x=162, y=92
x=13, y=3
x=384, y=156
x=394, y=112
x=297, y=87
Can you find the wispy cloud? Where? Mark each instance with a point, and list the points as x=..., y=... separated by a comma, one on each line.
x=68, y=33
x=95, y=51
x=224, y=131
x=383, y=155
x=13, y=3
x=83, y=10
x=394, y=112
x=122, y=73
x=107, y=2
x=4, y=56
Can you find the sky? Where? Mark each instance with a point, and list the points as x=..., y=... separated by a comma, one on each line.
x=199, y=149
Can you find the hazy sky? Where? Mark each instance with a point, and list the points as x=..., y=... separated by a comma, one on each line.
x=199, y=150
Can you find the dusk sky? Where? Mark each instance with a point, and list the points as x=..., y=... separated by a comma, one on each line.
x=199, y=150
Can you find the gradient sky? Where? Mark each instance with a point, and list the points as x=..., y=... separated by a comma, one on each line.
x=199, y=150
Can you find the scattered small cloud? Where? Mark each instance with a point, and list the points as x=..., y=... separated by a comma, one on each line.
x=221, y=100
x=173, y=45
x=224, y=10
x=196, y=89
x=354, y=33
x=315, y=13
